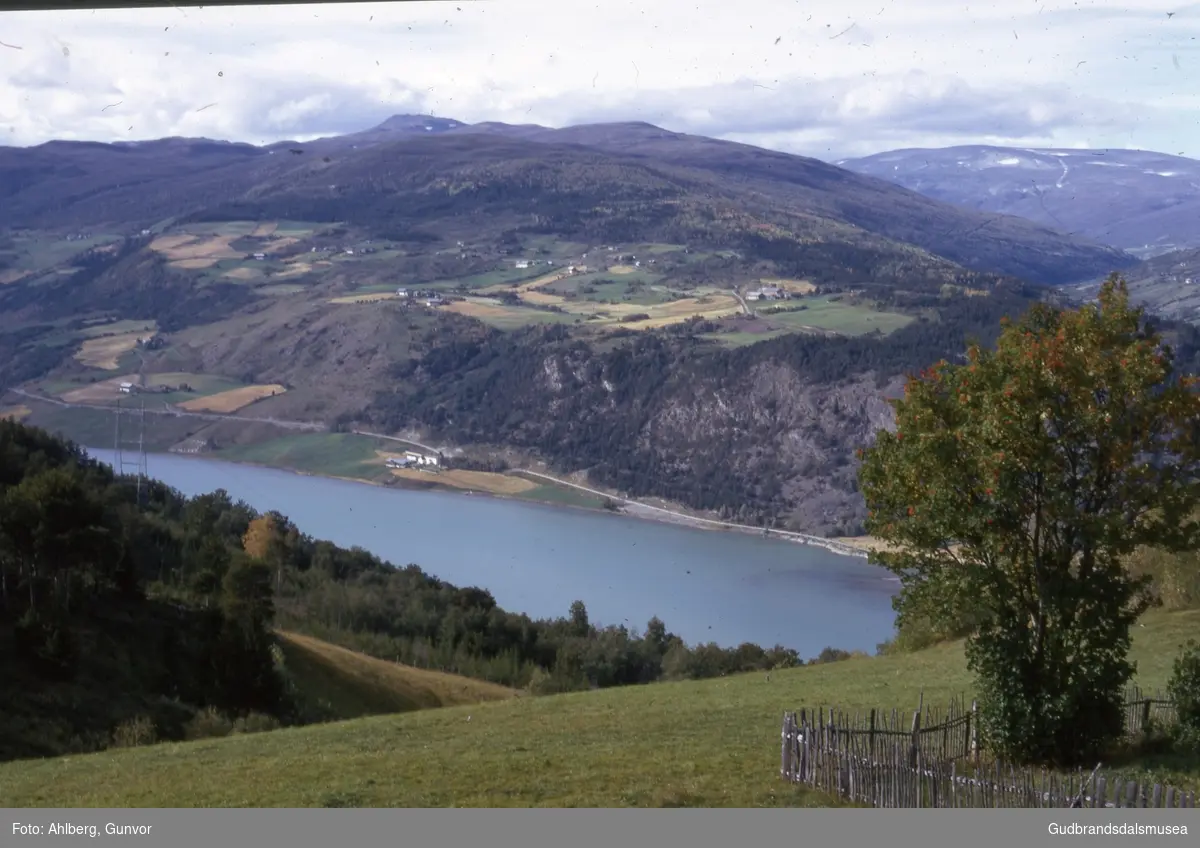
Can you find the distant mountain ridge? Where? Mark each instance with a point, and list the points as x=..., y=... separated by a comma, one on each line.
x=397, y=169
x=1135, y=200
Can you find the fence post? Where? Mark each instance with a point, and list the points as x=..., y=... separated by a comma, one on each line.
x=785, y=748
x=916, y=739
x=871, y=737
x=1145, y=715
x=973, y=725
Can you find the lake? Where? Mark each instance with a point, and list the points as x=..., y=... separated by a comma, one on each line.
x=708, y=586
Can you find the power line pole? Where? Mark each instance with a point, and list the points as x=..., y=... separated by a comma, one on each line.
x=130, y=448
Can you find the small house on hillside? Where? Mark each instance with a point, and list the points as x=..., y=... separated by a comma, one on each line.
x=522, y=264
x=125, y=388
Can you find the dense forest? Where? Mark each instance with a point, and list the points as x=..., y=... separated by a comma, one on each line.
x=115, y=606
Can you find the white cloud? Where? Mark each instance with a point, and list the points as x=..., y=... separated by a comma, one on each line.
x=829, y=80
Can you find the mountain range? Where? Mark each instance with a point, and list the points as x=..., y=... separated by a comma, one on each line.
x=395, y=169
x=1144, y=202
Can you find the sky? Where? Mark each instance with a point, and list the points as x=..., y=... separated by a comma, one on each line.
x=830, y=79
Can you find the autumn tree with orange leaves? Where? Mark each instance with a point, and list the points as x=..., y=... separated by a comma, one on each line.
x=1017, y=484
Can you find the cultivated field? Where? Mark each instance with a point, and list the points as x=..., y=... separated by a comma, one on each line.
x=840, y=316
x=800, y=287
x=105, y=352
x=111, y=328
x=204, y=384
x=185, y=250
x=232, y=400
x=712, y=743
x=352, y=685
x=331, y=454
x=281, y=290
x=474, y=481
x=501, y=316
x=14, y=413
x=102, y=391
x=243, y=273
x=366, y=297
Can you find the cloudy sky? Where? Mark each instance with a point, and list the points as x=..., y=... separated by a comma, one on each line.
x=826, y=78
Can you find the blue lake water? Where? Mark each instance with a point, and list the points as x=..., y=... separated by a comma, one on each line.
x=722, y=587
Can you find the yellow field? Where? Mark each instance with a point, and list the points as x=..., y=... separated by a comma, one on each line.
x=367, y=298
x=294, y=269
x=524, y=288
x=232, y=400
x=105, y=352
x=266, y=228
x=545, y=280
x=480, y=309
x=543, y=298
x=188, y=251
x=99, y=391
x=279, y=244
x=793, y=286
x=242, y=274
x=458, y=478
x=621, y=269
x=15, y=413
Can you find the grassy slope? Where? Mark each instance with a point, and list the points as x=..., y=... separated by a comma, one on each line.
x=330, y=454
x=352, y=685
x=709, y=743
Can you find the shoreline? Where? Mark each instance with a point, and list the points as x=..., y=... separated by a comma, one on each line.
x=842, y=546
x=858, y=547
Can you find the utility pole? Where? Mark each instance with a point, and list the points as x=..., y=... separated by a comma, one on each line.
x=130, y=447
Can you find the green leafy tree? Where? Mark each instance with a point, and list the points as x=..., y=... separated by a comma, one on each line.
x=1016, y=484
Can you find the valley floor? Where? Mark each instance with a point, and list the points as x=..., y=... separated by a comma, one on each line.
x=712, y=743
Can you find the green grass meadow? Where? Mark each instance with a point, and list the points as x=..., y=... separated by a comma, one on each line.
x=839, y=316
x=712, y=743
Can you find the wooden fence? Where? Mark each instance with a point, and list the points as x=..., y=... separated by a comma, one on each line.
x=884, y=759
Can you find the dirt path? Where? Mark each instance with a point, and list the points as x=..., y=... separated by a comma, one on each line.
x=395, y=439
x=309, y=426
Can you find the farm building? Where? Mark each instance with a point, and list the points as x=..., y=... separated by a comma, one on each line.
x=412, y=458
x=260, y=256
x=401, y=292
x=125, y=388
x=522, y=264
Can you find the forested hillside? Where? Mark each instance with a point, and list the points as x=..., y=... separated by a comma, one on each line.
x=120, y=619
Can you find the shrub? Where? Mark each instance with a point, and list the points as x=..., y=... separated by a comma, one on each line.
x=209, y=723
x=135, y=733
x=256, y=723
x=1184, y=687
